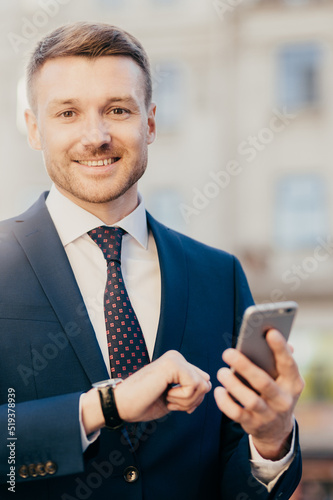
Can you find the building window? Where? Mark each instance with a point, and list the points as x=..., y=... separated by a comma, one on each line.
x=301, y=211
x=299, y=76
x=168, y=95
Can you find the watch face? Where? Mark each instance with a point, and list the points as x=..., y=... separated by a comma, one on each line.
x=112, y=382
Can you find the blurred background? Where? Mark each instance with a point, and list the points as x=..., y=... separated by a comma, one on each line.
x=243, y=158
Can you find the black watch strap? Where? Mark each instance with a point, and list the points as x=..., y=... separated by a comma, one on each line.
x=109, y=408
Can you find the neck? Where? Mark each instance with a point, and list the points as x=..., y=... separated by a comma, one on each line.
x=109, y=212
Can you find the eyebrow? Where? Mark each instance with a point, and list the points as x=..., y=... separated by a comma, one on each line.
x=62, y=102
x=111, y=100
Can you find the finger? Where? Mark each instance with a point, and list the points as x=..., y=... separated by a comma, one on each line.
x=187, y=392
x=291, y=347
x=227, y=405
x=255, y=376
x=191, y=410
x=191, y=383
x=285, y=363
x=188, y=406
x=202, y=374
x=246, y=396
x=186, y=374
x=185, y=405
x=175, y=407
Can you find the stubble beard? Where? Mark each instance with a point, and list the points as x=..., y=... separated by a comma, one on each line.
x=97, y=191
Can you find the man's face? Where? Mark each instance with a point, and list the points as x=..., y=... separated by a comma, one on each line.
x=92, y=125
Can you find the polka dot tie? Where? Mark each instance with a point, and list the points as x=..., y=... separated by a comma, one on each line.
x=127, y=347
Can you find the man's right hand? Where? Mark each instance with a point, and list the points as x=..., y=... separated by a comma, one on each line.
x=146, y=395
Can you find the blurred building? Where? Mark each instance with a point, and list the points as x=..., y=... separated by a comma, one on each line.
x=282, y=210
x=243, y=158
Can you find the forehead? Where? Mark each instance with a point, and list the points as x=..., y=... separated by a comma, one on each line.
x=84, y=78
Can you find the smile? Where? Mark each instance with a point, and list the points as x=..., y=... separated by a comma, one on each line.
x=97, y=163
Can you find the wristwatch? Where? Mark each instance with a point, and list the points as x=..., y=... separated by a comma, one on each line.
x=106, y=393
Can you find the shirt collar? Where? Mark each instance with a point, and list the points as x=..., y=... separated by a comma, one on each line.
x=72, y=221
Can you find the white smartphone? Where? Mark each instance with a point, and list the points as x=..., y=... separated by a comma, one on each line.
x=257, y=320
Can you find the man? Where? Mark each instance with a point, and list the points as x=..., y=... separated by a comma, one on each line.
x=155, y=435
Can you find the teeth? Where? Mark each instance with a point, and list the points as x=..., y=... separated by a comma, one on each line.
x=98, y=163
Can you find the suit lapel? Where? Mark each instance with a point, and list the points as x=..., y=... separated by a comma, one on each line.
x=40, y=241
x=174, y=296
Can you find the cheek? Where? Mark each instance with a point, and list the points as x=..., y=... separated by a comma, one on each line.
x=138, y=140
x=57, y=143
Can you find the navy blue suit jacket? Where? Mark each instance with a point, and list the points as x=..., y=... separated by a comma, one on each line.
x=49, y=354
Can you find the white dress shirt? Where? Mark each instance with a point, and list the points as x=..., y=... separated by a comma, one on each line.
x=141, y=273
x=139, y=264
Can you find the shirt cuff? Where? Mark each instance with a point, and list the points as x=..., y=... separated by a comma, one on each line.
x=86, y=440
x=268, y=472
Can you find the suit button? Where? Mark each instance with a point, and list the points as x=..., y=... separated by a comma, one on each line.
x=32, y=470
x=50, y=467
x=40, y=469
x=23, y=471
x=131, y=474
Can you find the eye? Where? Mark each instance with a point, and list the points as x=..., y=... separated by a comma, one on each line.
x=67, y=114
x=119, y=111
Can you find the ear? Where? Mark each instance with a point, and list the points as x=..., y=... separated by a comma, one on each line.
x=151, y=130
x=33, y=132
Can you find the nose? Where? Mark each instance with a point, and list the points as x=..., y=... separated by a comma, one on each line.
x=95, y=133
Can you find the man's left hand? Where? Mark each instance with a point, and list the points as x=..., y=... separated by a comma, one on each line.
x=268, y=413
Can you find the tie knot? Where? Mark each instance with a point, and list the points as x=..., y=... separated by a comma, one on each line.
x=109, y=240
